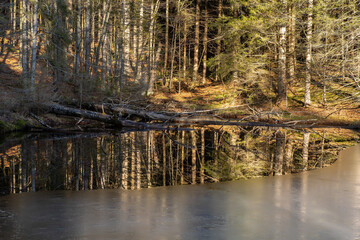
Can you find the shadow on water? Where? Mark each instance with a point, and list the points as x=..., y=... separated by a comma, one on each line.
x=134, y=160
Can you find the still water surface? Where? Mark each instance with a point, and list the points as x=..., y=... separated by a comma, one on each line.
x=319, y=204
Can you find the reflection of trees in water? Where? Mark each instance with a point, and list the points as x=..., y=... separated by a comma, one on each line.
x=136, y=160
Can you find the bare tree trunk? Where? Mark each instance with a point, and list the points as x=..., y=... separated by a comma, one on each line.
x=101, y=34
x=25, y=42
x=87, y=45
x=205, y=42
x=307, y=100
x=126, y=42
x=282, y=59
x=141, y=42
x=33, y=50
x=135, y=43
x=21, y=30
x=173, y=52
x=184, y=56
x=151, y=47
x=218, y=41
x=197, y=42
x=78, y=44
x=14, y=19
x=166, y=40
x=105, y=52
x=150, y=89
x=292, y=41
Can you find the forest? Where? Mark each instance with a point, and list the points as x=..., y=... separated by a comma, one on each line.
x=270, y=61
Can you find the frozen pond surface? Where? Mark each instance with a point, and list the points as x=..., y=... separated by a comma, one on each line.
x=320, y=204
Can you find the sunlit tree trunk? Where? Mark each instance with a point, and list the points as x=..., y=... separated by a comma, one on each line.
x=307, y=98
x=282, y=57
x=292, y=42
x=87, y=43
x=153, y=68
x=166, y=39
x=184, y=54
x=141, y=43
x=33, y=48
x=105, y=55
x=25, y=41
x=151, y=50
x=197, y=42
x=14, y=14
x=126, y=41
x=218, y=41
x=78, y=43
x=173, y=48
x=205, y=42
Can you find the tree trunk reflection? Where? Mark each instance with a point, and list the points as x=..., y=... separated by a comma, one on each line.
x=135, y=160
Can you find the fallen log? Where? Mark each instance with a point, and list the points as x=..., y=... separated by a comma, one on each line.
x=101, y=117
x=118, y=121
x=150, y=115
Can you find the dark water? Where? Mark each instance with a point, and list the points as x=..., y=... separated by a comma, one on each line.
x=318, y=204
x=134, y=160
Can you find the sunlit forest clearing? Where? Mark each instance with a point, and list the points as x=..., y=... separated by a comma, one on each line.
x=277, y=62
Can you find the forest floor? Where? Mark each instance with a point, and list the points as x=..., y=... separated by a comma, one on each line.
x=214, y=99
x=225, y=99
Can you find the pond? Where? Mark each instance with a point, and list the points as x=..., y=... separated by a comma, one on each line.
x=319, y=204
x=144, y=159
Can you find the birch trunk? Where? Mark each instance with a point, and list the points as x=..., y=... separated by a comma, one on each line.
x=33, y=50
x=126, y=42
x=307, y=98
x=197, y=41
x=218, y=41
x=282, y=59
x=205, y=42
x=292, y=41
x=166, y=40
